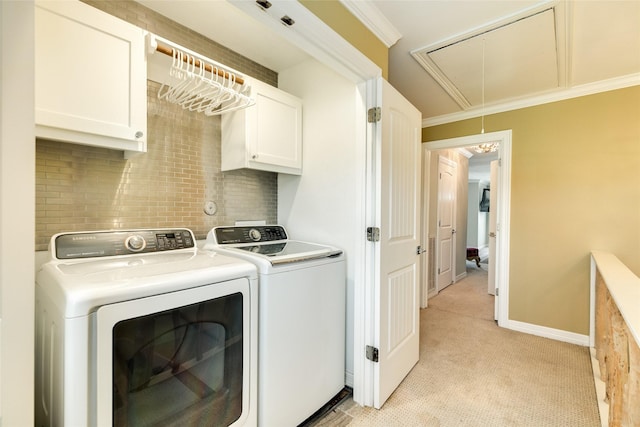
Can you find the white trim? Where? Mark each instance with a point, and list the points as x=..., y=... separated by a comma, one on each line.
x=17, y=213
x=348, y=379
x=601, y=389
x=460, y=277
x=314, y=37
x=421, y=55
x=490, y=26
x=551, y=333
x=426, y=191
x=468, y=154
x=452, y=90
x=592, y=302
x=504, y=208
x=364, y=296
x=546, y=98
x=370, y=286
x=374, y=20
x=623, y=286
x=503, y=227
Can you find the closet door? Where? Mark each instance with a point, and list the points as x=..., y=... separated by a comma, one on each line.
x=398, y=277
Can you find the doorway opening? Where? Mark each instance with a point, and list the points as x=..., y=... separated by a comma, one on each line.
x=497, y=199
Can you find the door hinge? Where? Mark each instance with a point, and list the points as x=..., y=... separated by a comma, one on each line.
x=373, y=234
x=497, y=292
x=372, y=353
x=374, y=114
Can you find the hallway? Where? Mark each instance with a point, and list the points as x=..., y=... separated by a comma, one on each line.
x=473, y=373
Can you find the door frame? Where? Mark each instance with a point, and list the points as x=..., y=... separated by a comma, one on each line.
x=319, y=41
x=504, y=139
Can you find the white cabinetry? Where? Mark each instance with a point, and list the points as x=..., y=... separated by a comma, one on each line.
x=266, y=136
x=90, y=77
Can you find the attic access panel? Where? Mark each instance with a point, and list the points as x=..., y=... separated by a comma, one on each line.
x=520, y=58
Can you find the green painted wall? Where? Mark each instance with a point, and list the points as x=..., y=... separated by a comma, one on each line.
x=575, y=188
x=335, y=15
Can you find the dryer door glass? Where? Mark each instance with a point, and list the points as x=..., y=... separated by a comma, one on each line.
x=181, y=366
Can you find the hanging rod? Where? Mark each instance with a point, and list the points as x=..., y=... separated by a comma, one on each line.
x=202, y=85
x=158, y=44
x=197, y=63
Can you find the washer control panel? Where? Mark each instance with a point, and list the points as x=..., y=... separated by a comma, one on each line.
x=249, y=234
x=114, y=243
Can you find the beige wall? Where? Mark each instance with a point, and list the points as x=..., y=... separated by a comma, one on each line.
x=575, y=188
x=87, y=188
x=335, y=15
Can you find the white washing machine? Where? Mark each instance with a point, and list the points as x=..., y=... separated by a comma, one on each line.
x=301, y=339
x=140, y=328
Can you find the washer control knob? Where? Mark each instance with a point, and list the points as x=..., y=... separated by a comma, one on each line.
x=255, y=235
x=135, y=243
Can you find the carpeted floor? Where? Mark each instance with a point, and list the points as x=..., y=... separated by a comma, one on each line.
x=473, y=373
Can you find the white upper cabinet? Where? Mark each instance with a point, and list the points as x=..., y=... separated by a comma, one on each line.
x=266, y=136
x=90, y=77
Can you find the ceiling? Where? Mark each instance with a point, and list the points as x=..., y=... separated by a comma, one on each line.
x=460, y=59
x=451, y=52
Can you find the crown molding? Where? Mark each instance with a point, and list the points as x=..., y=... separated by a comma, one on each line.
x=374, y=20
x=559, y=95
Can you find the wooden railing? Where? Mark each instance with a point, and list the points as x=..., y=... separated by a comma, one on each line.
x=617, y=337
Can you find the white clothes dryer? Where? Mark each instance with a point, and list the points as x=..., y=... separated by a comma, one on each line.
x=139, y=327
x=301, y=324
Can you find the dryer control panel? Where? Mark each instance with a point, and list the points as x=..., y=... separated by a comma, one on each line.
x=122, y=242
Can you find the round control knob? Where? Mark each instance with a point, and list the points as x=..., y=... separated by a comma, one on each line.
x=255, y=235
x=135, y=243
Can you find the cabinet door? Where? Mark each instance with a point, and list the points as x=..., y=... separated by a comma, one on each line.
x=278, y=129
x=90, y=77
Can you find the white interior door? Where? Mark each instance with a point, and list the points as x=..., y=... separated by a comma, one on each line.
x=446, y=222
x=397, y=305
x=493, y=205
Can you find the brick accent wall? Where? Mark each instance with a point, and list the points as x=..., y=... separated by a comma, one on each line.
x=88, y=188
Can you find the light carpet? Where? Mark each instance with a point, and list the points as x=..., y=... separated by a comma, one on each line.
x=473, y=373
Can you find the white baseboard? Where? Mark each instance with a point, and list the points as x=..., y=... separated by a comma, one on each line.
x=348, y=379
x=601, y=392
x=460, y=277
x=543, y=331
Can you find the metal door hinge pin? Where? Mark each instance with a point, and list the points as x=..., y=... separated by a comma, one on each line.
x=373, y=234
x=372, y=353
x=374, y=114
